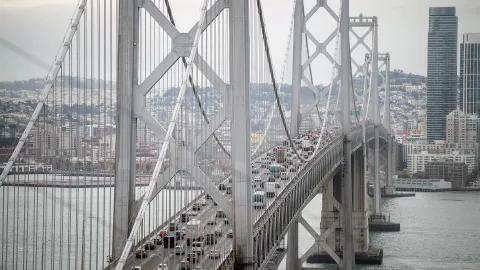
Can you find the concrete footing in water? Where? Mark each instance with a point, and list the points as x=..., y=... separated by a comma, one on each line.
x=371, y=257
x=380, y=223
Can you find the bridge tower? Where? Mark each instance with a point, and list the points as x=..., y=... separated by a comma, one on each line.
x=236, y=110
x=344, y=224
x=379, y=221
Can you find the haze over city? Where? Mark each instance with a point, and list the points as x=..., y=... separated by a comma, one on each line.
x=38, y=27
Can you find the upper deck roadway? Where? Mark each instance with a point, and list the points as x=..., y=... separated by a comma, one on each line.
x=331, y=145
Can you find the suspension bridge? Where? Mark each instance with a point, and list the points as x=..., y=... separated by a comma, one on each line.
x=155, y=147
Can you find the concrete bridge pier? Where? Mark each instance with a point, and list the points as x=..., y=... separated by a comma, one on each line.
x=331, y=240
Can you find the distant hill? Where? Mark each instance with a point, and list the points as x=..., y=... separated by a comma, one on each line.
x=35, y=84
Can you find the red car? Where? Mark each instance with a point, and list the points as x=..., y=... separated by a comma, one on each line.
x=162, y=233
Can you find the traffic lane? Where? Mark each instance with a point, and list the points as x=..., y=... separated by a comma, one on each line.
x=172, y=260
x=224, y=245
x=154, y=256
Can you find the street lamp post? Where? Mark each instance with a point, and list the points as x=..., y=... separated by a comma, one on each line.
x=83, y=242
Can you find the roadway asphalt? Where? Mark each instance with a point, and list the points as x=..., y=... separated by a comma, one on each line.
x=207, y=212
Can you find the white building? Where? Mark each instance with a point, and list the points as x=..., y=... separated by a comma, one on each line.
x=410, y=184
x=412, y=124
x=106, y=147
x=417, y=162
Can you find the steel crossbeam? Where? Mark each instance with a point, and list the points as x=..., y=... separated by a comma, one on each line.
x=182, y=45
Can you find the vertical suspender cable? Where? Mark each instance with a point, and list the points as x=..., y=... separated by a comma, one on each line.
x=164, y=149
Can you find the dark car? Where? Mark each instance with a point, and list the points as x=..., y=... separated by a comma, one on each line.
x=230, y=234
x=218, y=233
x=150, y=246
x=192, y=257
x=210, y=239
x=141, y=253
x=222, y=187
x=173, y=227
x=220, y=214
x=157, y=240
x=179, y=235
x=185, y=218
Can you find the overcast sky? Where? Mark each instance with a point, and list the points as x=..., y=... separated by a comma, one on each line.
x=38, y=27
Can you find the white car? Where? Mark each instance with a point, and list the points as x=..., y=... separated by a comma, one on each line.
x=284, y=176
x=162, y=266
x=203, y=202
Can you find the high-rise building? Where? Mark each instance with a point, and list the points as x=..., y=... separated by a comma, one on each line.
x=461, y=127
x=442, y=70
x=470, y=74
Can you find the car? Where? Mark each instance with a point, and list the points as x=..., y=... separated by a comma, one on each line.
x=179, y=235
x=141, y=253
x=203, y=202
x=157, y=240
x=208, y=197
x=222, y=187
x=150, y=245
x=230, y=234
x=192, y=213
x=192, y=257
x=271, y=179
x=136, y=268
x=162, y=266
x=284, y=176
x=162, y=233
x=229, y=190
x=173, y=226
x=293, y=169
x=196, y=207
x=220, y=214
x=184, y=265
x=198, y=268
x=214, y=254
x=210, y=239
x=212, y=222
x=226, y=221
x=184, y=218
x=255, y=171
x=218, y=233
x=198, y=247
x=263, y=165
x=179, y=250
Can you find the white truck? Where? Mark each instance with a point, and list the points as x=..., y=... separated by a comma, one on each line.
x=270, y=191
x=194, y=231
x=307, y=145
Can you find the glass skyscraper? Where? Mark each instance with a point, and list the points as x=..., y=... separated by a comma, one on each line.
x=470, y=74
x=442, y=70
